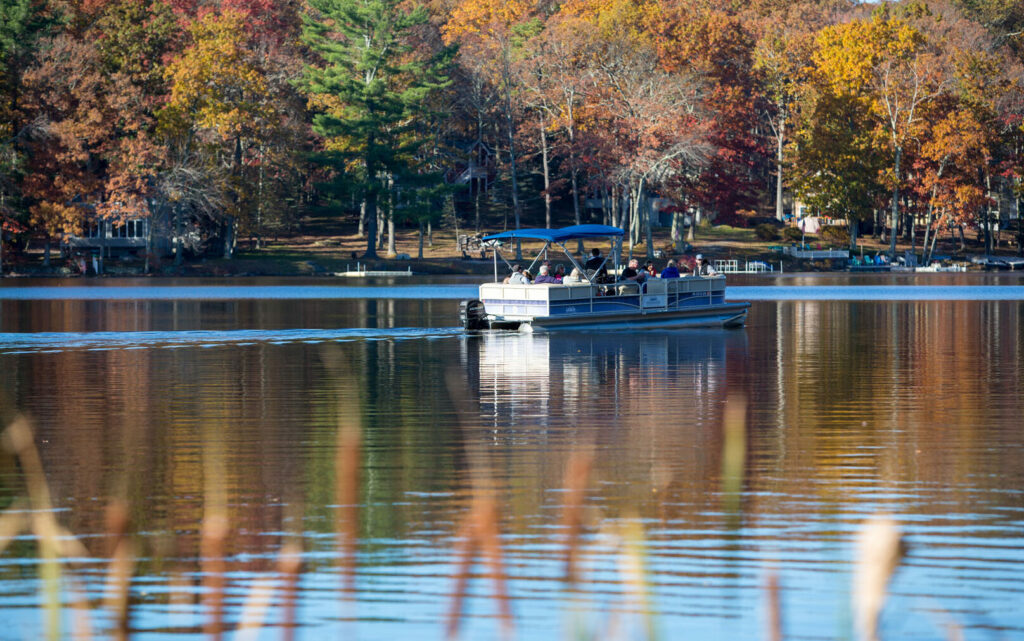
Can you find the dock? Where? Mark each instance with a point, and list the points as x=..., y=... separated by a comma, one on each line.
x=361, y=272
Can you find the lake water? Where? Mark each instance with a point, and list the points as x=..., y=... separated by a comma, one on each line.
x=875, y=394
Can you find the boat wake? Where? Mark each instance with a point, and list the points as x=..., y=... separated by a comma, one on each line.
x=43, y=342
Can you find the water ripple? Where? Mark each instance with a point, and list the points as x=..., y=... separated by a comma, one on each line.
x=62, y=341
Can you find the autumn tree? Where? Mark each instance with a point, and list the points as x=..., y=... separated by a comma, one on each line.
x=220, y=107
x=782, y=59
x=718, y=47
x=839, y=161
x=488, y=36
x=366, y=90
x=956, y=148
x=889, y=62
x=655, y=121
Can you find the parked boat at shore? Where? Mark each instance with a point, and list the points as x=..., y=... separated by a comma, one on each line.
x=596, y=303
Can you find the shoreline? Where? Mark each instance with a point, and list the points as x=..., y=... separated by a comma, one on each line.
x=325, y=256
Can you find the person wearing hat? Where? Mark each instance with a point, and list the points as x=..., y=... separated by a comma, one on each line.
x=704, y=267
x=517, y=277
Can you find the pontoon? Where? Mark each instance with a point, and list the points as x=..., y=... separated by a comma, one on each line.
x=599, y=302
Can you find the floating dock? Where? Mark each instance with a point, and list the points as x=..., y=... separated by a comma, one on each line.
x=361, y=272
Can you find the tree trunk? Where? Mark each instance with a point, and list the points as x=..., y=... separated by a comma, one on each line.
x=391, y=235
x=362, y=220
x=935, y=237
x=547, y=174
x=852, y=225
x=930, y=218
x=574, y=180
x=420, y=253
x=229, y=237
x=370, y=207
x=988, y=213
x=1020, y=223
x=259, y=205
x=894, y=216
x=179, y=233
x=430, y=234
x=778, y=169
x=615, y=206
x=510, y=126
x=476, y=204
x=650, y=231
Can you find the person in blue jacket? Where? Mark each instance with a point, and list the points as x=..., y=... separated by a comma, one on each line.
x=670, y=271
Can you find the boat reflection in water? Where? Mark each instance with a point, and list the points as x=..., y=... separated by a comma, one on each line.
x=531, y=384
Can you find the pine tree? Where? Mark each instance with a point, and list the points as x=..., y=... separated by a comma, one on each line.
x=369, y=92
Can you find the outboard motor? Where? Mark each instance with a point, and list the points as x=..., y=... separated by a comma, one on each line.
x=473, y=315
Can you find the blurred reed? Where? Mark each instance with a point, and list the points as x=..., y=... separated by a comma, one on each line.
x=880, y=548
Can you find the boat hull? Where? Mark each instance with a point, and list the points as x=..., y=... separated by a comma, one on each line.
x=725, y=315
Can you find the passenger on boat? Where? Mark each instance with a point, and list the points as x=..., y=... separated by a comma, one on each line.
x=595, y=262
x=559, y=272
x=517, y=277
x=704, y=267
x=649, y=268
x=629, y=272
x=573, y=277
x=670, y=271
x=544, y=276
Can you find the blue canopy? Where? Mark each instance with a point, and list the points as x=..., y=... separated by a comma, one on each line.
x=559, y=235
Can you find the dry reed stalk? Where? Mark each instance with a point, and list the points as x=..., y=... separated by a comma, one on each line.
x=734, y=449
x=211, y=549
x=577, y=474
x=261, y=595
x=289, y=564
x=774, y=607
x=254, y=610
x=214, y=533
x=347, y=468
x=633, y=567
x=490, y=539
x=880, y=548
x=481, y=528
x=480, y=533
x=181, y=598
x=18, y=440
x=13, y=522
x=122, y=566
x=465, y=549
x=81, y=623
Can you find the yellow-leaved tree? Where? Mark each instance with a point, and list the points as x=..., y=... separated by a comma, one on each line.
x=220, y=106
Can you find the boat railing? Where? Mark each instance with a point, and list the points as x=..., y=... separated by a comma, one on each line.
x=537, y=299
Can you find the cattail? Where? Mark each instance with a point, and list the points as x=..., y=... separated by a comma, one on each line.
x=773, y=604
x=347, y=466
x=289, y=564
x=576, y=475
x=880, y=548
x=122, y=566
x=211, y=549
